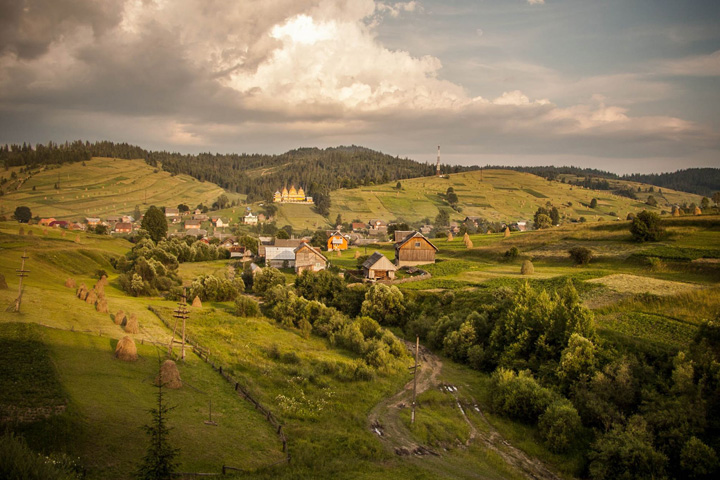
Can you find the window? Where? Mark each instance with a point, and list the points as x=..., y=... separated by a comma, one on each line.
x=417, y=244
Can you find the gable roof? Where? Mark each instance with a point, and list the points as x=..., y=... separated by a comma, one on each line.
x=312, y=249
x=287, y=242
x=414, y=235
x=378, y=261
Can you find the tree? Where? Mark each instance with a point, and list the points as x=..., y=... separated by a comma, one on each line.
x=398, y=186
x=647, y=227
x=338, y=220
x=698, y=460
x=543, y=221
x=319, y=239
x=268, y=278
x=555, y=216
x=705, y=203
x=386, y=304
x=580, y=255
x=22, y=214
x=452, y=198
x=716, y=199
x=182, y=208
x=442, y=219
x=136, y=213
x=593, y=203
x=402, y=227
x=559, y=425
x=221, y=202
x=282, y=234
x=155, y=223
x=159, y=462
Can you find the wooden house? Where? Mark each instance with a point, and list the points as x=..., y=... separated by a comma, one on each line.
x=358, y=226
x=413, y=250
x=192, y=224
x=281, y=253
x=401, y=234
x=378, y=267
x=122, y=227
x=337, y=241
x=309, y=258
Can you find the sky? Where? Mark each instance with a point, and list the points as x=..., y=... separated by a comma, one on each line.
x=624, y=86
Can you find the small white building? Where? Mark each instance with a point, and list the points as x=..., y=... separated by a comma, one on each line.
x=250, y=219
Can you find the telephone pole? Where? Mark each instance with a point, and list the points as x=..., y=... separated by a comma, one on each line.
x=22, y=273
x=415, y=370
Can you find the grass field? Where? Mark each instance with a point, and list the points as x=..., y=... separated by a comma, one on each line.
x=106, y=186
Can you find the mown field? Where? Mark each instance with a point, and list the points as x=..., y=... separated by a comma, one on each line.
x=105, y=186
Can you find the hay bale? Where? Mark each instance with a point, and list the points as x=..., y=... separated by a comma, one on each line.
x=450, y=237
x=91, y=297
x=697, y=211
x=169, y=376
x=126, y=350
x=527, y=268
x=102, y=282
x=507, y=232
x=101, y=305
x=357, y=254
x=70, y=283
x=676, y=212
x=131, y=326
x=120, y=318
x=82, y=292
x=3, y=283
x=196, y=302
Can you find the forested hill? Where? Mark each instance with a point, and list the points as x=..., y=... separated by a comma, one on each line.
x=702, y=181
x=318, y=171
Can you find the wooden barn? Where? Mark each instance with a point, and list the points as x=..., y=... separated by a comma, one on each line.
x=309, y=258
x=378, y=267
x=413, y=250
x=337, y=241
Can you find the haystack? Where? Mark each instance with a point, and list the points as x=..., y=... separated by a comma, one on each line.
x=131, y=326
x=91, y=297
x=101, y=305
x=120, y=318
x=102, y=282
x=449, y=237
x=466, y=240
x=196, y=302
x=82, y=292
x=126, y=350
x=357, y=253
x=3, y=283
x=527, y=268
x=70, y=283
x=676, y=212
x=169, y=376
x=507, y=232
x=697, y=211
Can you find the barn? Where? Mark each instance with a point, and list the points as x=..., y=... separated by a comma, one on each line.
x=309, y=258
x=378, y=267
x=413, y=250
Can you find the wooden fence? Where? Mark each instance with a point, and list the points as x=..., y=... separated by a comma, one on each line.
x=204, y=354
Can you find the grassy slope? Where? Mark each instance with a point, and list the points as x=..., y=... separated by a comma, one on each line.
x=498, y=195
x=106, y=186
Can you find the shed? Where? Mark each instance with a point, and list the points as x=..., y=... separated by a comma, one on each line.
x=378, y=267
x=309, y=258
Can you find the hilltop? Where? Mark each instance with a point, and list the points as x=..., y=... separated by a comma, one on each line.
x=100, y=187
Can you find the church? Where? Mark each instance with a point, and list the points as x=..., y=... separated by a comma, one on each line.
x=292, y=196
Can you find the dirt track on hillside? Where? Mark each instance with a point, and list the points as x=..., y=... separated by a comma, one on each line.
x=384, y=420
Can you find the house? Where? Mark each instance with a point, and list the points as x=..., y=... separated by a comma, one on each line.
x=196, y=232
x=426, y=229
x=122, y=227
x=337, y=241
x=197, y=211
x=241, y=252
x=172, y=212
x=113, y=218
x=378, y=267
x=58, y=224
x=219, y=223
x=200, y=216
x=413, y=250
x=454, y=227
x=309, y=258
x=250, y=219
x=192, y=224
x=474, y=221
x=281, y=253
x=76, y=226
x=357, y=226
x=262, y=243
x=45, y=222
x=127, y=219
x=92, y=221
x=377, y=226
x=401, y=234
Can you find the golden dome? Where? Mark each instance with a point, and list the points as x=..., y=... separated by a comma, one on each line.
x=292, y=190
x=301, y=192
x=284, y=191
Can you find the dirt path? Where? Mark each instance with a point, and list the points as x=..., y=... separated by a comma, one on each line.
x=384, y=421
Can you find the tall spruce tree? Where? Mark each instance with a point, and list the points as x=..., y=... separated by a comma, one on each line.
x=159, y=462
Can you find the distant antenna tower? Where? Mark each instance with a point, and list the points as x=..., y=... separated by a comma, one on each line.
x=437, y=168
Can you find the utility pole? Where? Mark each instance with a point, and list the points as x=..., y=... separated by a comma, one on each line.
x=22, y=273
x=181, y=313
x=415, y=370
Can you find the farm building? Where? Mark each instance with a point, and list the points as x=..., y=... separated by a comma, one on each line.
x=378, y=267
x=281, y=253
x=92, y=221
x=192, y=224
x=45, y=222
x=414, y=249
x=378, y=226
x=357, y=226
x=401, y=234
x=121, y=227
x=58, y=224
x=337, y=241
x=309, y=258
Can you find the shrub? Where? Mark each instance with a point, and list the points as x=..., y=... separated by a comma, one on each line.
x=559, y=425
x=246, y=307
x=647, y=227
x=527, y=268
x=580, y=255
x=518, y=396
x=268, y=278
x=511, y=254
x=698, y=460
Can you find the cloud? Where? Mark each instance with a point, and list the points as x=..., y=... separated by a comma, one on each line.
x=267, y=74
x=692, y=66
x=536, y=2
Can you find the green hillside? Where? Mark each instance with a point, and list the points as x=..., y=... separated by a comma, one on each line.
x=497, y=195
x=100, y=187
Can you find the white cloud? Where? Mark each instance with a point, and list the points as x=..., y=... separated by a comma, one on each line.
x=693, y=66
x=536, y=2
x=395, y=9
